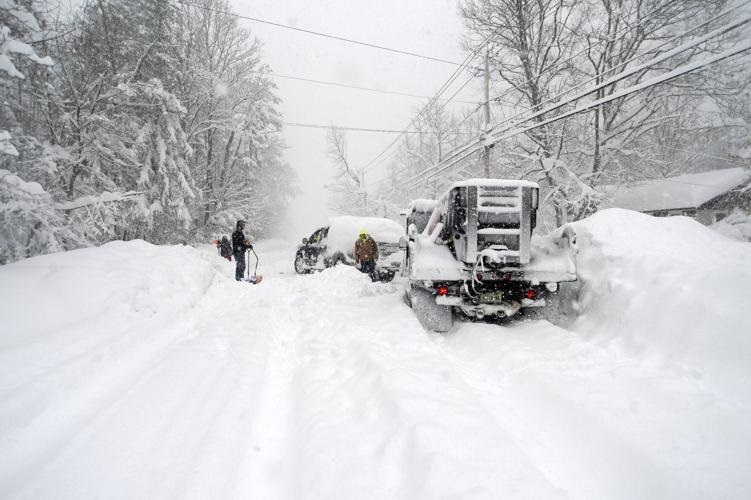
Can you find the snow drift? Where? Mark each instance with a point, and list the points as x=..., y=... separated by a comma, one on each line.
x=670, y=290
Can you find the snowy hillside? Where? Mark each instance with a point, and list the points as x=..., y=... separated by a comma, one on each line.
x=137, y=371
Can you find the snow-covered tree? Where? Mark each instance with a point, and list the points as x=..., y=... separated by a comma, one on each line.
x=347, y=187
x=157, y=120
x=30, y=224
x=232, y=121
x=543, y=52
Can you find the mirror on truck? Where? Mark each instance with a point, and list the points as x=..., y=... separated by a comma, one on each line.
x=305, y=241
x=402, y=243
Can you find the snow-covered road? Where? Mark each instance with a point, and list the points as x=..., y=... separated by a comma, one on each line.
x=186, y=384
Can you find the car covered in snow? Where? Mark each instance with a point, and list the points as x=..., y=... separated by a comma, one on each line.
x=418, y=213
x=335, y=243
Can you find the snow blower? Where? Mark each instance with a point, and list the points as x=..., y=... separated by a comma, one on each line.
x=255, y=278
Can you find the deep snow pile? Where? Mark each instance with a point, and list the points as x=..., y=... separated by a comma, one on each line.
x=668, y=290
x=116, y=282
x=343, y=281
x=86, y=315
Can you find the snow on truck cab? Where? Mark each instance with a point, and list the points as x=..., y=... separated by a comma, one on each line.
x=476, y=255
x=418, y=213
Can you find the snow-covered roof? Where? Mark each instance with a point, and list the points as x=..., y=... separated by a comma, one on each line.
x=683, y=191
x=494, y=182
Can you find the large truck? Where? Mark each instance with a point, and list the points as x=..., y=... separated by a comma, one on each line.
x=476, y=255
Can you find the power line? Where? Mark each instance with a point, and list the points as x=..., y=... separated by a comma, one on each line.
x=317, y=33
x=509, y=126
x=335, y=84
x=440, y=91
x=686, y=68
x=406, y=131
x=358, y=129
x=620, y=76
x=560, y=63
x=670, y=53
x=372, y=163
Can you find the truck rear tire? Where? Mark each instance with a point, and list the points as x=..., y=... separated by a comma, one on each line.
x=433, y=317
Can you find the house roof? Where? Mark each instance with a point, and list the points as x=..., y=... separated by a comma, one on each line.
x=683, y=191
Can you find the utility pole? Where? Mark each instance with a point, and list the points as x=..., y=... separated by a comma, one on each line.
x=363, y=194
x=483, y=136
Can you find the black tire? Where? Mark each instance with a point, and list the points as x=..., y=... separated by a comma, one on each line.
x=386, y=275
x=432, y=316
x=300, y=267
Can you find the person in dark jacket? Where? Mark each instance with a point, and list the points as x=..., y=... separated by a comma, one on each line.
x=225, y=248
x=366, y=254
x=239, y=245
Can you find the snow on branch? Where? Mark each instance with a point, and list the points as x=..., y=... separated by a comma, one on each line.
x=5, y=146
x=105, y=197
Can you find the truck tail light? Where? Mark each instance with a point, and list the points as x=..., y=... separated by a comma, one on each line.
x=442, y=290
x=531, y=294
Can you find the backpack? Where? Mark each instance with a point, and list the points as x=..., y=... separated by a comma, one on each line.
x=225, y=248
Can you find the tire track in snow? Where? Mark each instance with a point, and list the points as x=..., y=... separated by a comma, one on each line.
x=40, y=441
x=378, y=408
x=269, y=467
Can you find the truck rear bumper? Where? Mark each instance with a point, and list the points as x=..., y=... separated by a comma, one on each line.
x=502, y=309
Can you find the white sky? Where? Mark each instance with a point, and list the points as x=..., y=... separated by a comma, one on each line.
x=430, y=27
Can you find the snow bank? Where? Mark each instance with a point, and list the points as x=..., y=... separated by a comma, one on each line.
x=670, y=290
x=72, y=317
x=120, y=281
x=344, y=282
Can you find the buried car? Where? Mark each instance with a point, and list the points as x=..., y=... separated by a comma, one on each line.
x=335, y=243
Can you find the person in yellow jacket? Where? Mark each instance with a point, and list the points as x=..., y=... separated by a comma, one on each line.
x=366, y=254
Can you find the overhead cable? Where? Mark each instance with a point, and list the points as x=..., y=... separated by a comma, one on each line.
x=718, y=32
x=508, y=125
x=437, y=95
x=317, y=33
x=686, y=68
x=358, y=129
x=335, y=84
